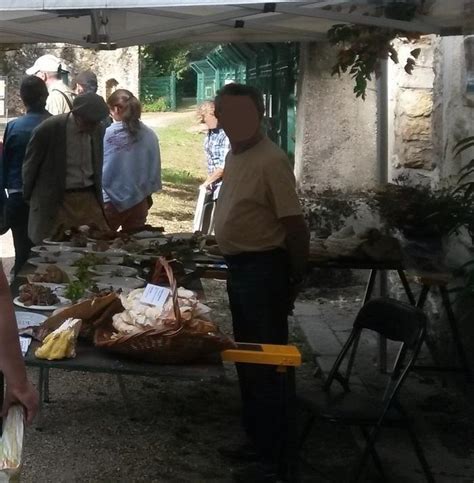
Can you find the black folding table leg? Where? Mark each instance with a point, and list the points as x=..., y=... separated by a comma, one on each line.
x=423, y=295
x=406, y=286
x=455, y=332
x=46, y=385
x=428, y=342
x=370, y=286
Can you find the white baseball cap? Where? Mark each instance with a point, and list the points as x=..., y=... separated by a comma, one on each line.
x=47, y=63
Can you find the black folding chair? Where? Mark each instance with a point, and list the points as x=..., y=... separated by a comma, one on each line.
x=398, y=322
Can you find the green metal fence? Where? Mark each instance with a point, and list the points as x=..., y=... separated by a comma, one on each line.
x=272, y=68
x=205, y=80
x=153, y=88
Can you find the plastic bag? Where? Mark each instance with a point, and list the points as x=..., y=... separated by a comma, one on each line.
x=11, y=445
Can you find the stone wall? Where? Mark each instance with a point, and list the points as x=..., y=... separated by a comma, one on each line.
x=453, y=116
x=432, y=109
x=411, y=107
x=335, y=132
x=116, y=68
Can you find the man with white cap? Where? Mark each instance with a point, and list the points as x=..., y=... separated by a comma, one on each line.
x=49, y=68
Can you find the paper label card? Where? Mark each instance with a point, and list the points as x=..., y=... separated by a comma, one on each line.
x=24, y=344
x=155, y=295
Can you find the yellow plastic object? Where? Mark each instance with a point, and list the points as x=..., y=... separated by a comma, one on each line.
x=11, y=445
x=61, y=343
x=269, y=354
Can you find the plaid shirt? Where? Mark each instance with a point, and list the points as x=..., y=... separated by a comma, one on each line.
x=216, y=147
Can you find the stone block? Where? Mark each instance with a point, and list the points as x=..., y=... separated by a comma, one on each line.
x=422, y=78
x=415, y=103
x=415, y=129
x=417, y=155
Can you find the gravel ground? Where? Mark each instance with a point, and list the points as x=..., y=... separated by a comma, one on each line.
x=88, y=437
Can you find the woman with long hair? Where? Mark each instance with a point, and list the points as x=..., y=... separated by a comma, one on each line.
x=132, y=165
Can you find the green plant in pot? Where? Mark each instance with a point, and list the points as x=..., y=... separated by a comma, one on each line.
x=428, y=216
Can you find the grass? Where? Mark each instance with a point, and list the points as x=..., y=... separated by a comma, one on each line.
x=182, y=170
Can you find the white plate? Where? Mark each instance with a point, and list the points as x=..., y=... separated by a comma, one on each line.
x=62, y=302
x=55, y=250
x=41, y=269
x=28, y=319
x=49, y=259
x=116, y=270
x=48, y=241
x=122, y=282
x=108, y=260
x=113, y=252
x=57, y=288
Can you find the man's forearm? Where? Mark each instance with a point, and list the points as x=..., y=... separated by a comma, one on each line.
x=298, y=250
x=215, y=176
x=11, y=360
x=297, y=244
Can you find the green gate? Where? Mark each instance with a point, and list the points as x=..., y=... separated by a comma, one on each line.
x=205, y=79
x=272, y=68
x=153, y=88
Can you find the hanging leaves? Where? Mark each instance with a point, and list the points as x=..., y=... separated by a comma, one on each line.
x=362, y=48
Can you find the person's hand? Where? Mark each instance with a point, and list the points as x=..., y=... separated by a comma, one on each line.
x=24, y=394
x=295, y=287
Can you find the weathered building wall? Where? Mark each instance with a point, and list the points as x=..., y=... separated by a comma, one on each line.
x=453, y=117
x=429, y=112
x=117, y=68
x=411, y=151
x=336, y=133
x=431, y=109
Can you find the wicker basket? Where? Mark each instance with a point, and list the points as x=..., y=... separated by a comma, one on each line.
x=180, y=342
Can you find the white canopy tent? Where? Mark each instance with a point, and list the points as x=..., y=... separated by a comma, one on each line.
x=121, y=23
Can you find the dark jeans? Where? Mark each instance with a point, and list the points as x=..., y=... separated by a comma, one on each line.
x=17, y=215
x=258, y=287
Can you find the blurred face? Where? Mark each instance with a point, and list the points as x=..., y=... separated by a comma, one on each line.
x=80, y=89
x=239, y=118
x=210, y=120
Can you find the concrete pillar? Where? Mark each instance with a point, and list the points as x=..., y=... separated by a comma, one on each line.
x=453, y=110
x=335, y=132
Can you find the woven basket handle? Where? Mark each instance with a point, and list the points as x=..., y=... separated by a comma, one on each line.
x=162, y=264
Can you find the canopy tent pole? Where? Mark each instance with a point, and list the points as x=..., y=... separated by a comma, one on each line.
x=382, y=178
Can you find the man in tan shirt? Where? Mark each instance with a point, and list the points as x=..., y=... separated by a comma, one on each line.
x=261, y=231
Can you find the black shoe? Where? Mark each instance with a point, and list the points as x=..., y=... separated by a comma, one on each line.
x=243, y=452
x=257, y=473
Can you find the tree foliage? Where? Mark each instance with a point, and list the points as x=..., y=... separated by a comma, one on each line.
x=164, y=58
